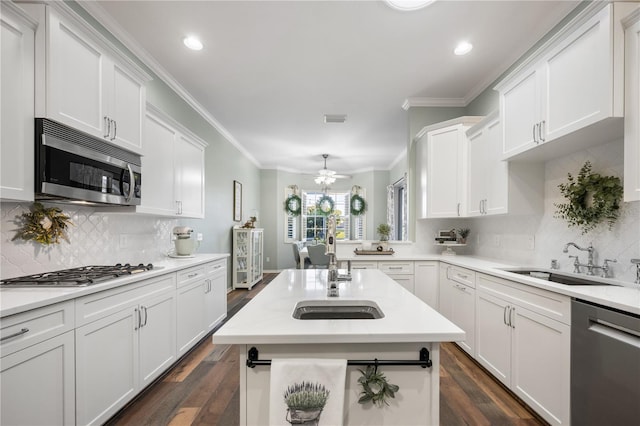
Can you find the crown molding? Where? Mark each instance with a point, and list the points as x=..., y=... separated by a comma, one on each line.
x=111, y=25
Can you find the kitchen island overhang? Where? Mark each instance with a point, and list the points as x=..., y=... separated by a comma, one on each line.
x=267, y=324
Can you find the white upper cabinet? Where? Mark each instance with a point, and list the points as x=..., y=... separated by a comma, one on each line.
x=632, y=109
x=442, y=188
x=173, y=168
x=89, y=86
x=488, y=174
x=17, y=35
x=189, y=154
x=571, y=92
x=496, y=186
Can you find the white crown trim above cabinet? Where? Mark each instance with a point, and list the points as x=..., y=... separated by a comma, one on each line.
x=173, y=168
x=632, y=108
x=539, y=106
x=17, y=104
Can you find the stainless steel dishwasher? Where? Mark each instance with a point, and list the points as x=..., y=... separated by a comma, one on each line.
x=605, y=366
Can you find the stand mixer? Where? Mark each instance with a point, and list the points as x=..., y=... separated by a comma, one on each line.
x=185, y=243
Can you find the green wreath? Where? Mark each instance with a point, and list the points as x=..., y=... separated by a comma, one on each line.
x=357, y=205
x=293, y=205
x=325, y=205
x=592, y=199
x=375, y=387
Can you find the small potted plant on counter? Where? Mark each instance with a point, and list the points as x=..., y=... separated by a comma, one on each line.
x=384, y=230
x=463, y=234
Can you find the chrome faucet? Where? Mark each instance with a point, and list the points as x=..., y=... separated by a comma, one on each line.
x=590, y=266
x=330, y=250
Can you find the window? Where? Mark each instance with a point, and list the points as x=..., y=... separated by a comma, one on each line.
x=397, y=209
x=314, y=225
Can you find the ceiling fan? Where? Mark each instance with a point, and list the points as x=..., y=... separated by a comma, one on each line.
x=325, y=176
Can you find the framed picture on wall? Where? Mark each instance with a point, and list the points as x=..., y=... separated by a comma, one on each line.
x=237, y=201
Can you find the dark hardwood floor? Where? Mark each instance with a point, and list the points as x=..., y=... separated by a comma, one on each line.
x=203, y=388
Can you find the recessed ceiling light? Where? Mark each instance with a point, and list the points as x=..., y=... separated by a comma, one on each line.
x=192, y=43
x=463, y=48
x=409, y=4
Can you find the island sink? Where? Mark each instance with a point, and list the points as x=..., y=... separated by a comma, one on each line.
x=337, y=309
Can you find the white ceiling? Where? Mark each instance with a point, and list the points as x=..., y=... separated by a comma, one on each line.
x=270, y=70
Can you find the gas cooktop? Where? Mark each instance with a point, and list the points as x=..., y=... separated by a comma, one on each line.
x=76, y=277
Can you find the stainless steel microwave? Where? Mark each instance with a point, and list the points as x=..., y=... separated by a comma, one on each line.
x=73, y=166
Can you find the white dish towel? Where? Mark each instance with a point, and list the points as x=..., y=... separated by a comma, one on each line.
x=307, y=382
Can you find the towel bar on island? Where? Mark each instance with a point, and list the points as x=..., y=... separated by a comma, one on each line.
x=424, y=361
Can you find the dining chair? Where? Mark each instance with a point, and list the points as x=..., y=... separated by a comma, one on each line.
x=317, y=256
x=296, y=255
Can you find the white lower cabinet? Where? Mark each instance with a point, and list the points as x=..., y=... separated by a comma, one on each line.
x=201, y=302
x=400, y=271
x=127, y=341
x=37, y=375
x=426, y=282
x=216, y=296
x=458, y=301
x=523, y=339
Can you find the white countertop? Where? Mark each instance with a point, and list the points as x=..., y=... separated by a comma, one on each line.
x=620, y=295
x=267, y=319
x=16, y=300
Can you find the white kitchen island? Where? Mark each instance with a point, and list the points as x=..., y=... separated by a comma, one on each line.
x=266, y=324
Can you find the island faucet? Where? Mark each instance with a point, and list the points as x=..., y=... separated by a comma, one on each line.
x=330, y=250
x=590, y=266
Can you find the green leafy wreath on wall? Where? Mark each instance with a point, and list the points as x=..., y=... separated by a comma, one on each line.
x=325, y=205
x=591, y=199
x=293, y=205
x=357, y=205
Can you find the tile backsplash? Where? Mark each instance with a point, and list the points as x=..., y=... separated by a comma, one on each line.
x=536, y=239
x=95, y=238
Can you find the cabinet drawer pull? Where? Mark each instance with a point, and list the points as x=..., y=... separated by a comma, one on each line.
x=541, y=131
x=192, y=275
x=395, y=267
x=16, y=334
x=504, y=315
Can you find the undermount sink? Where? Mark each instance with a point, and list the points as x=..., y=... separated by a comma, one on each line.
x=337, y=309
x=556, y=277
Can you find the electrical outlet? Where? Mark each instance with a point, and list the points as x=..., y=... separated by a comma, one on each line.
x=199, y=236
x=496, y=240
x=124, y=241
x=268, y=259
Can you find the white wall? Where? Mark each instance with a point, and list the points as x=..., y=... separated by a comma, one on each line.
x=508, y=237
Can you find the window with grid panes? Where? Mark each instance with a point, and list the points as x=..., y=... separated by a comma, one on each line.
x=314, y=224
